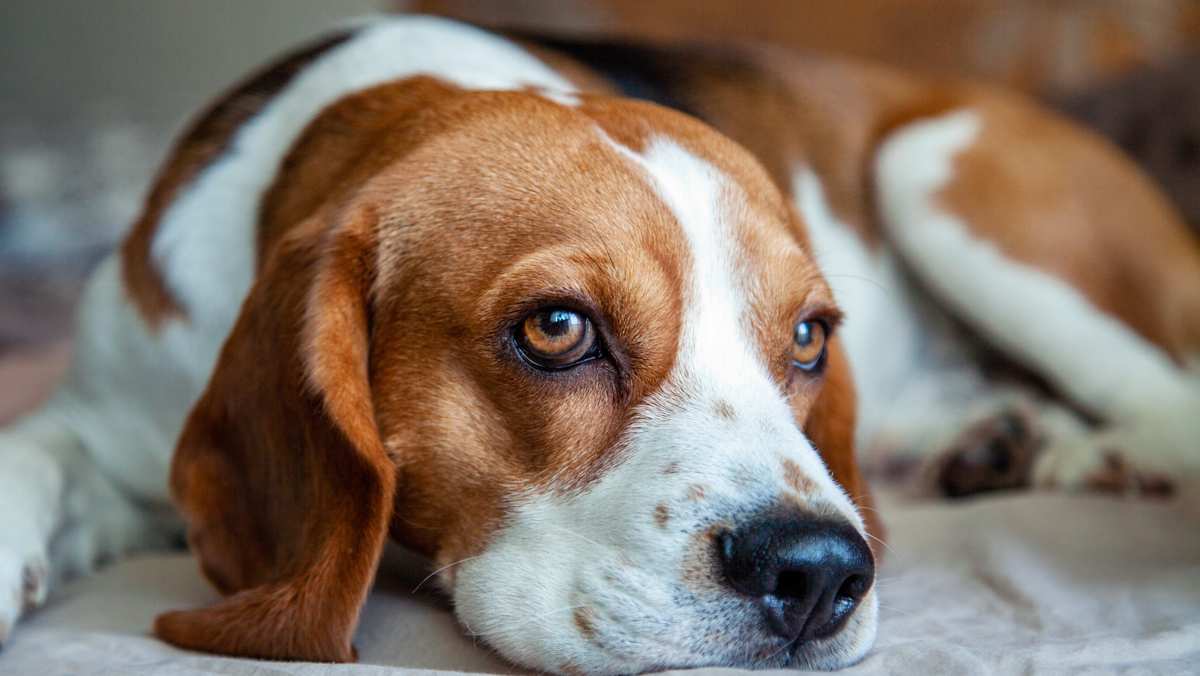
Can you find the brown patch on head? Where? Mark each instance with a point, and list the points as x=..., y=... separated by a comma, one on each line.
x=662, y=515
x=585, y=622
x=671, y=468
x=796, y=478
x=724, y=411
x=204, y=141
x=695, y=492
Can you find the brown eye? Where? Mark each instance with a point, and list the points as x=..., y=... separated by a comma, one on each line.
x=808, y=348
x=557, y=338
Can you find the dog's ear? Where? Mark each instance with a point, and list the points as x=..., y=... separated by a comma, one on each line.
x=830, y=427
x=280, y=471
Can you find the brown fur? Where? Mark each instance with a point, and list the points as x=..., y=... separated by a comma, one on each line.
x=279, y=434
x=662, y=515
x=796, y=478
x=585, y=622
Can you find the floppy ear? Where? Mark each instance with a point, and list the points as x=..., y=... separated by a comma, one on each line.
x=280, y=471
x=830, y=427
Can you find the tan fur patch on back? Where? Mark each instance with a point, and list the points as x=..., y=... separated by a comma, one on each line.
x=1062, y=200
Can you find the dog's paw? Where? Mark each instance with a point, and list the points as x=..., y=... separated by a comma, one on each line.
x=24, y=581
x=996, y=453
x=1099, y=464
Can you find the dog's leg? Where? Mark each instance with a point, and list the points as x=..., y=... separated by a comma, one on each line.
x=59, y=514
x=83, y=480
x=1094, y=290
x=32, y=481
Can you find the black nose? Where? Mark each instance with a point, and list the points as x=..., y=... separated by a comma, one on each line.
x=809, y=575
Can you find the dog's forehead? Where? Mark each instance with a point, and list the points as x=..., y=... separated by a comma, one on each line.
x=672, y=233
x=532, y=174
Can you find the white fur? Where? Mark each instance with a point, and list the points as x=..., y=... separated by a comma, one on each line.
x=601, y=548
x=906, y=359
x=89, y=471
x=1038, y=319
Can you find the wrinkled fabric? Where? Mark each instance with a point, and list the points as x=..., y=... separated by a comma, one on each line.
x=1034, y=583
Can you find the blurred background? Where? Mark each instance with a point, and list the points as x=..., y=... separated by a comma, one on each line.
x=91, y=94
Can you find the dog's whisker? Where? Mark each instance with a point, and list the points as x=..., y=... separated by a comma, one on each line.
x=886, y=546
x=578, y=535
x=508, y=631
x=439, y=570
x=894, y=609
x=887, y=292
x=782, y=648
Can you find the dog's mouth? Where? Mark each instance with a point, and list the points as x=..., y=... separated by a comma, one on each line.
x=622, y=617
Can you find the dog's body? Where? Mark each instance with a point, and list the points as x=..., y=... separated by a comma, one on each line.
x=308, y=311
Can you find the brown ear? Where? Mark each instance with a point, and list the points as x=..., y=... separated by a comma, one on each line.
x=830, y=427
x=280, y=472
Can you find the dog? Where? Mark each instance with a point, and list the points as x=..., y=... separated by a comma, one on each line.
x=595, y=358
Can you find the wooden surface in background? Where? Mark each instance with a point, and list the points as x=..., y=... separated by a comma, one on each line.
x=1037, y=45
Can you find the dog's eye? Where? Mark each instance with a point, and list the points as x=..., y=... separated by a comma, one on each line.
x=557, y=338
x=808, y=347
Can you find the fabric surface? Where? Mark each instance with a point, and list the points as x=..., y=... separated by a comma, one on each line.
x=1035, y=583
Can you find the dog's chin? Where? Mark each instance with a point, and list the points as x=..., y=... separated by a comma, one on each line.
x=617, y=618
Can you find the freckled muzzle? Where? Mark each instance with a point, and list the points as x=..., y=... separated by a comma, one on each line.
x=807, y=574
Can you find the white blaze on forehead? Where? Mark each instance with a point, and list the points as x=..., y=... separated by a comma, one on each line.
x=715, y=346
x=718, y=359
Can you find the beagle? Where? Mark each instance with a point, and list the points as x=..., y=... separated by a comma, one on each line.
x=591, y=357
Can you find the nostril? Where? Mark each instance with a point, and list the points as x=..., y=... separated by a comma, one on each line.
x=847, y=597
x=854, y=587
x=792, y=584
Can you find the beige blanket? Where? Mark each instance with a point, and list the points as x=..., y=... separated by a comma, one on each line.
x=1021, y=584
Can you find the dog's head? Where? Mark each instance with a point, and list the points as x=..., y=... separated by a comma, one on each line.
x=579, y=355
